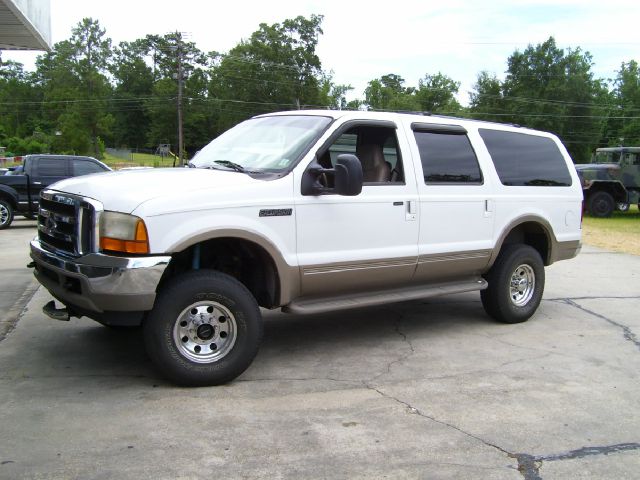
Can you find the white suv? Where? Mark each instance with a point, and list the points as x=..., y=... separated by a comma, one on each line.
x=308, y=211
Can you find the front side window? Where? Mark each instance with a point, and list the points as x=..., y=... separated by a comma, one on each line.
x=447, y=158
x=81, y=167
x=377, y=149
x=265, y=144
x=526, y=160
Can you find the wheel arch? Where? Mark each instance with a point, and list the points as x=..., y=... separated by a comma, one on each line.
x=614, y=188
x=528, y=230
x=247, y=256
x=10, y=195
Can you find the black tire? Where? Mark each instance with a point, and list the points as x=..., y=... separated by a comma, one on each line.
x=6, y=214
x=504, y=301
x=601, y=204
x=623, y=207
x=205, y=329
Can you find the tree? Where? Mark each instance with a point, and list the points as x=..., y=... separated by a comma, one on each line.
x=486, y=100
x=277, y=68
x=626, y=98
x=77, y=90
x=134, y=80
x=389, y=93
x=550, y=89
x=436, y=93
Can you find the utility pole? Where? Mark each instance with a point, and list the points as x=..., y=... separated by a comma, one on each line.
x=180, y=87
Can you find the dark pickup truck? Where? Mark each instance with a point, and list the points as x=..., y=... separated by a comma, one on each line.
x=20, y=188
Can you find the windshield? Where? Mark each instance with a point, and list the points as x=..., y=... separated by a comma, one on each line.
x=267, y=144
x=606, y=157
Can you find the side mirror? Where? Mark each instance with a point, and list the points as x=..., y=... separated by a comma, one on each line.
x=347, y=177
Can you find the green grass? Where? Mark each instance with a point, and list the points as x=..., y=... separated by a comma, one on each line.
x=138, y=160
x=620, y=233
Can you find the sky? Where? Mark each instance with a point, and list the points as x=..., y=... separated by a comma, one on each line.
x=364, y=40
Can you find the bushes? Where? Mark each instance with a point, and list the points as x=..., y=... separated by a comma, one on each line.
x=25, y=146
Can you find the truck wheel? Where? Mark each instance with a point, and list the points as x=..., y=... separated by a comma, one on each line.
x=205, y=329
x=6, y=214
x=516, y=284
x=601, y=204
x=623, y=207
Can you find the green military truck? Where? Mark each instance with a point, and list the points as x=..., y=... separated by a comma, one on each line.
x=611, y=180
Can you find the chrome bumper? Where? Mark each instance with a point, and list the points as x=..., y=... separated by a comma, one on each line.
x=100, y=283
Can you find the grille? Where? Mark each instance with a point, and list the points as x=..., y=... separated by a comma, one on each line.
x=66, y=223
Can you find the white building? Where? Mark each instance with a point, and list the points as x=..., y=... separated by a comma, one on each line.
x=25, y=25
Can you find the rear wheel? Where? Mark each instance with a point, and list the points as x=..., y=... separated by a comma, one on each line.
x=601, y=204
x=623, y=207
x=6, y=214
x=205, y=329
x=516, y=284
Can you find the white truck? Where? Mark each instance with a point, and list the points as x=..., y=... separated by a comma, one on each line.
x=308, y=211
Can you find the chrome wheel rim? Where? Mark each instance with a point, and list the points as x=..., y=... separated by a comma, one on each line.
x=522, y=285
x=205, y=332
x=4, y=214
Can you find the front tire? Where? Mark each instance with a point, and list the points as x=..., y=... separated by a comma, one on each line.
x=516, y=284
x=6, y=214
x=205, y=329
x=601, y=204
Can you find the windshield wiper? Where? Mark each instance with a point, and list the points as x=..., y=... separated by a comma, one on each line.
x=231, y=165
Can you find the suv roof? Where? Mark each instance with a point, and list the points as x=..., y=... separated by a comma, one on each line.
x=416, y=117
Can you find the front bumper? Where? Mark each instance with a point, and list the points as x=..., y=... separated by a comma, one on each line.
x=97, y=283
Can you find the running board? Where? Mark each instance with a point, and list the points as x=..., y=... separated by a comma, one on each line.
x=382, y=297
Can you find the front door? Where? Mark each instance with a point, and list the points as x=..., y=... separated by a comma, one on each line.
x=363, y=242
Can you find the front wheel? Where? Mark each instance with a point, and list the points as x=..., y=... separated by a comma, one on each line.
x=205, y=329
x=601, y=204
x=516, y=284
x=6, y=214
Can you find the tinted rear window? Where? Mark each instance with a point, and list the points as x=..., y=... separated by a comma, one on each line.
x=526, y=160
x=51, y=167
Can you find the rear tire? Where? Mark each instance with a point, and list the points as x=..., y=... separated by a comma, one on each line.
x=6, y=214
x=516, y=284
x=623, y=207
x=601, y=204
x=205, y=329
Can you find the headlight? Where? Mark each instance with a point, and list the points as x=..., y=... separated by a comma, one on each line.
x=120, y=232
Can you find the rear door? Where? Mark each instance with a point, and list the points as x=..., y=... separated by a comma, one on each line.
x=456, y=203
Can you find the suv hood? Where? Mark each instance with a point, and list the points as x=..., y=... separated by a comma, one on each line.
x=124, y=191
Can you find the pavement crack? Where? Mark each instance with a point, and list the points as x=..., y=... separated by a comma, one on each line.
x=602, y=297
x=404, y=356
x=528, y=465
x=626, y=331
x=413, y=410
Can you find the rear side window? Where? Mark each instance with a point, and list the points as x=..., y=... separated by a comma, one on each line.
x=84, y=167
x=526, y=160
x=447, y=158
x=51, y=167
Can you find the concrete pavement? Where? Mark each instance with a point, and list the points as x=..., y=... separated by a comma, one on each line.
x=427, y=389
x=17, y=284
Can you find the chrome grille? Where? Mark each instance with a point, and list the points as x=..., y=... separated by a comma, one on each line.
x=66, y=223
